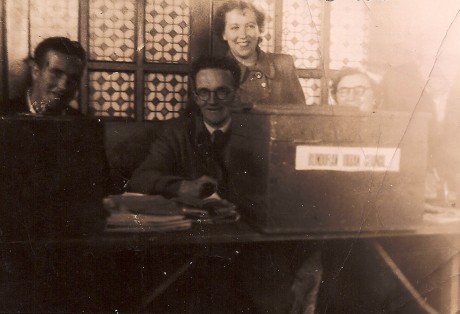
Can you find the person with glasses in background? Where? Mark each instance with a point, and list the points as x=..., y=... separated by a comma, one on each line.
x=267, y=78
x=354, y=88
x=188, y=157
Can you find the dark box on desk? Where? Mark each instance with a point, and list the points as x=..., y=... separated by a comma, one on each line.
x=329, y=168
x=53, y=172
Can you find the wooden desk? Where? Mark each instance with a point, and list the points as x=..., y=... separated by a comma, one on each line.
x=238, y=232
x=241, y=233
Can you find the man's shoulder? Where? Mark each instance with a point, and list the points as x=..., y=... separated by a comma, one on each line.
x=16, y=105
x=19, y=99
x=177, y=126
x=69, y=111
x=20, y=105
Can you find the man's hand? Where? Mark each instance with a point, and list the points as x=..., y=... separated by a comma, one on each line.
x=200, y=188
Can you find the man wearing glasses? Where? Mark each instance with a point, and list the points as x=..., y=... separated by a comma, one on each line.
x=189, y=157
x=355, y=89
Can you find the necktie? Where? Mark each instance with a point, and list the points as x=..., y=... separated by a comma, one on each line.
x=218, y=138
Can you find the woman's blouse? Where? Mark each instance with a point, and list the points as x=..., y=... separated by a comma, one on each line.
x=272, y=80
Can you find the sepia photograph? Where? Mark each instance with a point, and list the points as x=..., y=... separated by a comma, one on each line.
x=230, y=156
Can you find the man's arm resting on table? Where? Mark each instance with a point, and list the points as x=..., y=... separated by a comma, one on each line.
x=172, y=186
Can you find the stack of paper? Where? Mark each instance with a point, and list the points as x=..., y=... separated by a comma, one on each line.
x=209, y=210
x=441, y=214
x=132, y=212
x=126, y=222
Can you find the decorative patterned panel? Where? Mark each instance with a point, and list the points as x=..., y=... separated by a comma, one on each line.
x=165, y=95
x=111, y=94
x=52, y=18
x=349, y=34
x=312, y=90
x=268, y=39
x=167, y=31
x=112, y=30
x=301, y=36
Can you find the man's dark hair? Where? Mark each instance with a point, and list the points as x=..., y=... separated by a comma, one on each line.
x=219, y=16
x=222, y=63
x=59, y=44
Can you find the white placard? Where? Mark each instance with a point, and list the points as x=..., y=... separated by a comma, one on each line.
x=341, y=158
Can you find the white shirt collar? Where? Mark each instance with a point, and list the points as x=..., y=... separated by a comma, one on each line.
x=29, y=103
x=223, y=128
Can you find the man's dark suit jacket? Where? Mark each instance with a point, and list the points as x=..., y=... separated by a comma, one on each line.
x=183, y=151
x=20, y=105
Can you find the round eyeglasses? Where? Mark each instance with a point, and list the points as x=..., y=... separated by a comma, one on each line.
x=357, y=90
x=221, y=93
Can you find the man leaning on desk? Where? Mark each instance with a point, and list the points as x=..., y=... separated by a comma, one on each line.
x=188, y=158
x=55, y=73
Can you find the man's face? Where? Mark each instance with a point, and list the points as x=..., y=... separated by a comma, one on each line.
x=214, y=94
x=55, y=84
x=355, y=90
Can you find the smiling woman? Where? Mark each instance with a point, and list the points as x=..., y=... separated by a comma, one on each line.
x=267, y=78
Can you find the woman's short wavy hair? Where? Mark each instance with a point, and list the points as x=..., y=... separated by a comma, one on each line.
x=219, y=16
